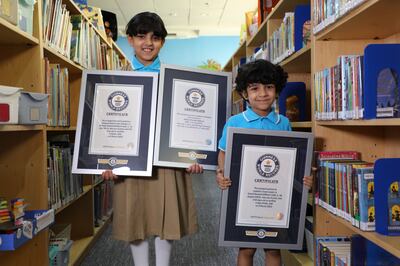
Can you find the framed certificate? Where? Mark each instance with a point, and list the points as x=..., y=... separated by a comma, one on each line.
x=116, y=121
x=265, y=205
x=193, y=106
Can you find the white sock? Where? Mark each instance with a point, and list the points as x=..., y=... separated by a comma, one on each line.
x=163, y=251
x=140, y=252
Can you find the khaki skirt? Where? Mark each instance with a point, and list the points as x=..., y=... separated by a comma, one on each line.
x=162, y=205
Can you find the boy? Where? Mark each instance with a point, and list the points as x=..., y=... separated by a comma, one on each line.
x=258, y=83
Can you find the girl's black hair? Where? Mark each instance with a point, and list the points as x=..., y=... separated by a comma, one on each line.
x=144, y=23
x=260, y=71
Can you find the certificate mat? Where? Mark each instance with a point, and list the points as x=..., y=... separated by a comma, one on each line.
x=116, y=123
x=265, y=177
x=241, y=229
x=193, y=106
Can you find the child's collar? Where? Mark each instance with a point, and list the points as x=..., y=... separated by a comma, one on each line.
x=249, y=115
x=138, y=66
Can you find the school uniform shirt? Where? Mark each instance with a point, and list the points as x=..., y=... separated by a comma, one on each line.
x=250, y=119
x=162, y=205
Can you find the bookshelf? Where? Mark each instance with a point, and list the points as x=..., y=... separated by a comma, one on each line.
x=23, y=152
x=373, y=21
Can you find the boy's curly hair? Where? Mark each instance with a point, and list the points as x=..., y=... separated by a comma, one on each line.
x=260, y=71
x=144, y=23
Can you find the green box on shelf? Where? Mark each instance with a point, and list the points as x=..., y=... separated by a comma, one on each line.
x=25, y=15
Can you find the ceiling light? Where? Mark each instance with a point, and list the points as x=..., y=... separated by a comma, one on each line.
x=203, y=14
x=173, y=14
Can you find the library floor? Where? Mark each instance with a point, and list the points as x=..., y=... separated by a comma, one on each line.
x=198, y=249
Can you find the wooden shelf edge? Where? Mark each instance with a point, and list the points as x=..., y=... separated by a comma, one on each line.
x=253, y=41
x=292, y=58
x=26, y=37
x=241, y=50
x=389, y=243
x=50, y=128
x=372, y=122
x=284, y=6
x=86, y=189
x=305, y=124
x=6, y=128
x=62, y=58
x=80, y=247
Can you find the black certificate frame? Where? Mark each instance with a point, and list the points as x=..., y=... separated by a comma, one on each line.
x=232, y=235
x=140, y=164
x=164, y=153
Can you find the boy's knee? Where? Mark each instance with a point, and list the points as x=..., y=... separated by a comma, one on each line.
x=247, y=251
x=272, y=252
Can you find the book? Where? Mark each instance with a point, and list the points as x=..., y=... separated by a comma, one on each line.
x=366, y=198
x=388, y=98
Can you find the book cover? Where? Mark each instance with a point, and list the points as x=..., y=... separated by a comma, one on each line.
x=366, y=190
x=394, y=206
x=388, y=98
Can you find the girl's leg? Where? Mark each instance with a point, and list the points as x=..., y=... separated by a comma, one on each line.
x=163, y=251
x=245, y=256
x=140, y=252
x=272, y=257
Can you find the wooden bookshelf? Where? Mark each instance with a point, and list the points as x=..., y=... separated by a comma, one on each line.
x=67, y=129
x=389, y=243
x=23, y=153
x=373, y=122
x=305, y=124
x=284, y=6
x=21, y=127
x=299, y=62
x=70, y=4
x=228, y=66
x=364, y=22
x=57, y=58
x=81, y=246
x=260, y=36
x=11, y=34
x=86, y=189
x=373, y=21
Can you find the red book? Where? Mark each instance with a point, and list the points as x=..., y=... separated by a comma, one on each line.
x=4, y=112
x=343, y=155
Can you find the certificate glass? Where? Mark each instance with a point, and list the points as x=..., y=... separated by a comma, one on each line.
x=263, y=199
x=193, y=106
x=116, y=121
x=265, y=205
x=116, y=133
x=193, y=121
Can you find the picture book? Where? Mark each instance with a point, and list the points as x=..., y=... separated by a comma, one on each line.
x=388, y=90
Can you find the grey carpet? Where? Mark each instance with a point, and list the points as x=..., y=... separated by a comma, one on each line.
x=200, y=249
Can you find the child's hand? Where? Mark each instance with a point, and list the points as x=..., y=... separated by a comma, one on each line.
x=195, y=169
x=109, y=175
x=308, y=181
x=222, y=181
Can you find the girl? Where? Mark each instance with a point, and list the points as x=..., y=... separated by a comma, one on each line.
x=162, y=205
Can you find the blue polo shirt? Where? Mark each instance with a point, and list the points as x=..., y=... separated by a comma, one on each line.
x=153, y=67
x=250, y=119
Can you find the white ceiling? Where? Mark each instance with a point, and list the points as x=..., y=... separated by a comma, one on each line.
x=185, y=18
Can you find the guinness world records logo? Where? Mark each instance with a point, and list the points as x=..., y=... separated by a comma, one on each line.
x=195, y=97
x=268, y=165
x=118, y=100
